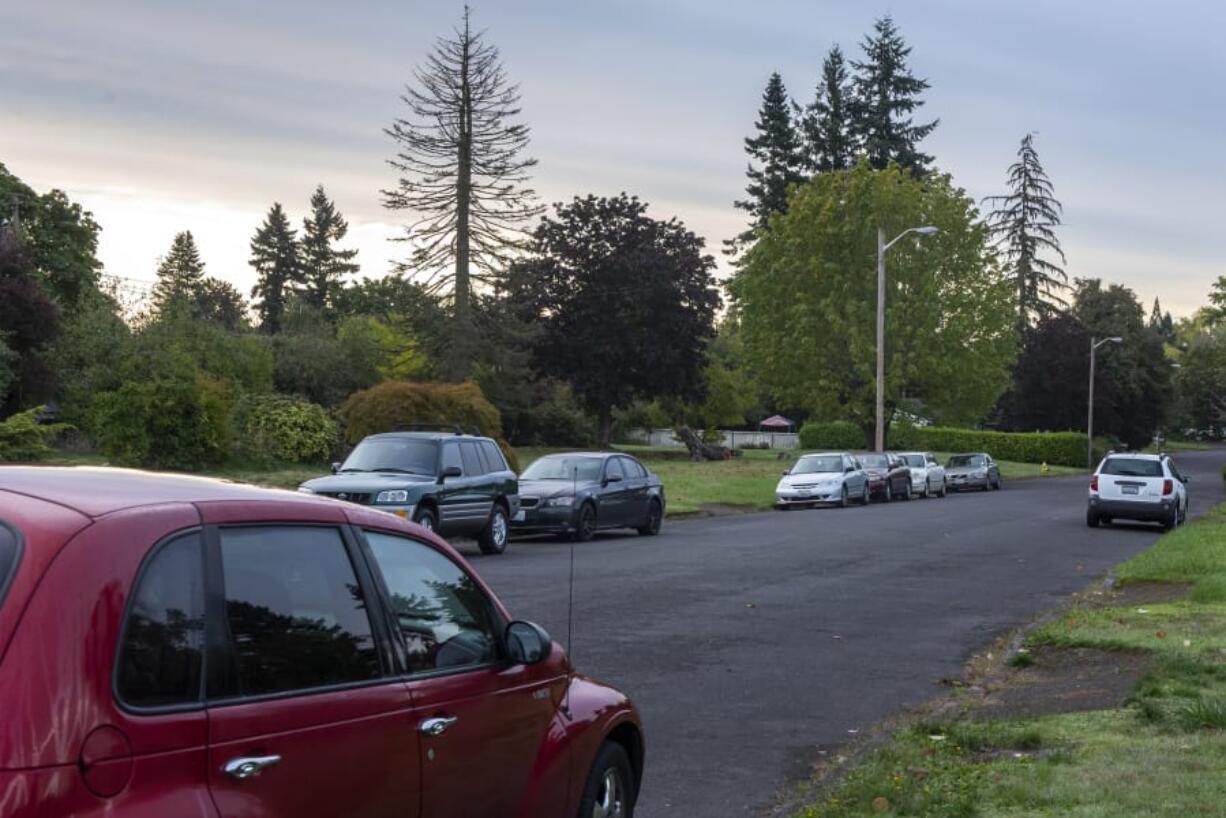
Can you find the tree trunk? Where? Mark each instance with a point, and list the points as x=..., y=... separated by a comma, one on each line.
x=605, y=432
x=698, y=449
x=459, y=355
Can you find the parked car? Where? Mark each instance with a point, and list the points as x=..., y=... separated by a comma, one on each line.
x=1145, y=487
x=927, y=475
x=176, y=646
x=449, y=482
x=828, y=477
x=889, y=477
x=583, y=492
x=976, y=470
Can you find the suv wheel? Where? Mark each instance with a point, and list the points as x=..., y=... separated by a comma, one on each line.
x=1092, y=518
x=426, y=518
x=655, y=517
x=609, y=791
x=493, y=540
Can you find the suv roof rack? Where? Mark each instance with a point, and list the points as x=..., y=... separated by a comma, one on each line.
x=454, y=428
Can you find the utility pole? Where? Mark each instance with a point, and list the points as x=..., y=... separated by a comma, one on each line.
x=1094, y=345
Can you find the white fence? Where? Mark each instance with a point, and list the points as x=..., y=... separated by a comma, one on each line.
x=732, y=439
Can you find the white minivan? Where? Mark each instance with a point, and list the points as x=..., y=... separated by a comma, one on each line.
x=1147, y=487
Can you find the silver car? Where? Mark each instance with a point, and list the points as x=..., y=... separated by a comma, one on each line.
x=826, y=477
x=927, y=475
x=976, y=470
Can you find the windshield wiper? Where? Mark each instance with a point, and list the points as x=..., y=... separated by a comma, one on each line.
x=397, y=471
x=342, y=471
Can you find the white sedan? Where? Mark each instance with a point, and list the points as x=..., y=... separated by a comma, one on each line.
x=829, y=477
x=927, y=475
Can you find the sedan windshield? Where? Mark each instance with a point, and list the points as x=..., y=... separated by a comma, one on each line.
x=815, y=465
x=1132, y=467
x=396, y=454
x=915, y=460
x=564, y=467
x=874, y=461
x=963, y=460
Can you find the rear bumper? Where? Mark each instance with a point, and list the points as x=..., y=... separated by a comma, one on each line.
x=1144, y=510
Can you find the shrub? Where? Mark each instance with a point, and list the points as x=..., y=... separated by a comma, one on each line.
x=395, y=405
x=174, y=422
x=278, y=428
x=556, y=422
x=836, y=434
x=23, y=439
x=1053, y=448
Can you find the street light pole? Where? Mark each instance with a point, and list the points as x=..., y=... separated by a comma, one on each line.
x=1094, y=345
x=882, y=247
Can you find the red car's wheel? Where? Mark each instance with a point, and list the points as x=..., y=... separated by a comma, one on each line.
x=610, y=788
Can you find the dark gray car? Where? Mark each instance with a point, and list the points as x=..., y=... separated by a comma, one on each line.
x=582, y=492
x=975, y=470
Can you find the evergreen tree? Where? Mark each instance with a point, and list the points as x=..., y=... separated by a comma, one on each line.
x=324, y=267
x=826, y=122
x=219, y=302
x=886, y=96
x=1162, y=323
x=1215, y=315
x=777, y=149
x=1023, y=225
x=179, y=274
x=463, y=177
x=274, y=255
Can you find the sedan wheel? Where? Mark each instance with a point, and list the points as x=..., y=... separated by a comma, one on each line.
x=889, y=493
x=866, y=495
x=843, y=497
x=585, y=526
x=655, y=517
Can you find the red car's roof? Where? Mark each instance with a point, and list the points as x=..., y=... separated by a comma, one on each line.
x=98, y=491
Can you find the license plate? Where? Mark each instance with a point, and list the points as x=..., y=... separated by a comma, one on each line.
x=802, y=494
x=1130, y=489
x=520, y=516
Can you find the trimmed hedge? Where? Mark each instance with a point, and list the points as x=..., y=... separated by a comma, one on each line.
x=393, y=405
x=835, y=434
x=1053, y=448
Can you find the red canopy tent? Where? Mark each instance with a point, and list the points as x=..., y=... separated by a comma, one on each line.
x=776, y=422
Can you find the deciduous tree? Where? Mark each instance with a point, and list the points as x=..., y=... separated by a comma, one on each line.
x=29, y=321
x=807, y=293
x=626, y=304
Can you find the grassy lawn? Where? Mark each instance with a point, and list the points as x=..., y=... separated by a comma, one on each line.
x=1161, y=754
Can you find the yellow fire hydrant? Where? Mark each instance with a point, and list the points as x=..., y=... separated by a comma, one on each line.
x=1043, y=468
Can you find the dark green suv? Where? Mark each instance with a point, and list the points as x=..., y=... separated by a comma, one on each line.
x=449, y=482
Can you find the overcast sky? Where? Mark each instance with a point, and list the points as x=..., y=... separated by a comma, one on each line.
x=162, y=115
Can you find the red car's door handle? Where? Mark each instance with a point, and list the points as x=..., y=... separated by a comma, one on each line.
x=246, y=767
x=437, y=726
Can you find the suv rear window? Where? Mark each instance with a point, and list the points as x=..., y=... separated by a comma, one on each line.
x=1132, y=467
x=9, y=549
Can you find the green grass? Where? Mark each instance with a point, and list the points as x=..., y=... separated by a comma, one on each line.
x=1162, y=754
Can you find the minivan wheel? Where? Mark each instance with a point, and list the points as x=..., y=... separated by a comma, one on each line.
x=426, y=518
x=493, y=540
x=609, y=792
x=585, y=524
x=655, y=517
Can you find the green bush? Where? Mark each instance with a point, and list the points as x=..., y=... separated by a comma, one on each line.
x=836, y=434
x=23, y=439
x=1053, y=448
x=278, y=428
x=174, y=422
x=395, y=405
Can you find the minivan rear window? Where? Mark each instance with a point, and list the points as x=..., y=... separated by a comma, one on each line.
x=10, y=548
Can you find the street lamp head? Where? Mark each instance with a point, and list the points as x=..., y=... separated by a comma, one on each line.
x=1115, y=339
x=927, y=230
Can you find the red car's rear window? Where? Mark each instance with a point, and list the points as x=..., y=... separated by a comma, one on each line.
x=10, y=549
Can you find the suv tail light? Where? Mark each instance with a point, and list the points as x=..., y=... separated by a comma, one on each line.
x=1094, y=483
x=1167, y=487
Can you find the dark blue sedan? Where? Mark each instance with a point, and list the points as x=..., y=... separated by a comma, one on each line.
x=580, y=493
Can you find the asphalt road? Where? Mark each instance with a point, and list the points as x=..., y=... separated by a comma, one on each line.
x=750, y=642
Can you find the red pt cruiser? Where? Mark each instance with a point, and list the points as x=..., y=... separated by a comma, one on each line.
x=175, y=647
